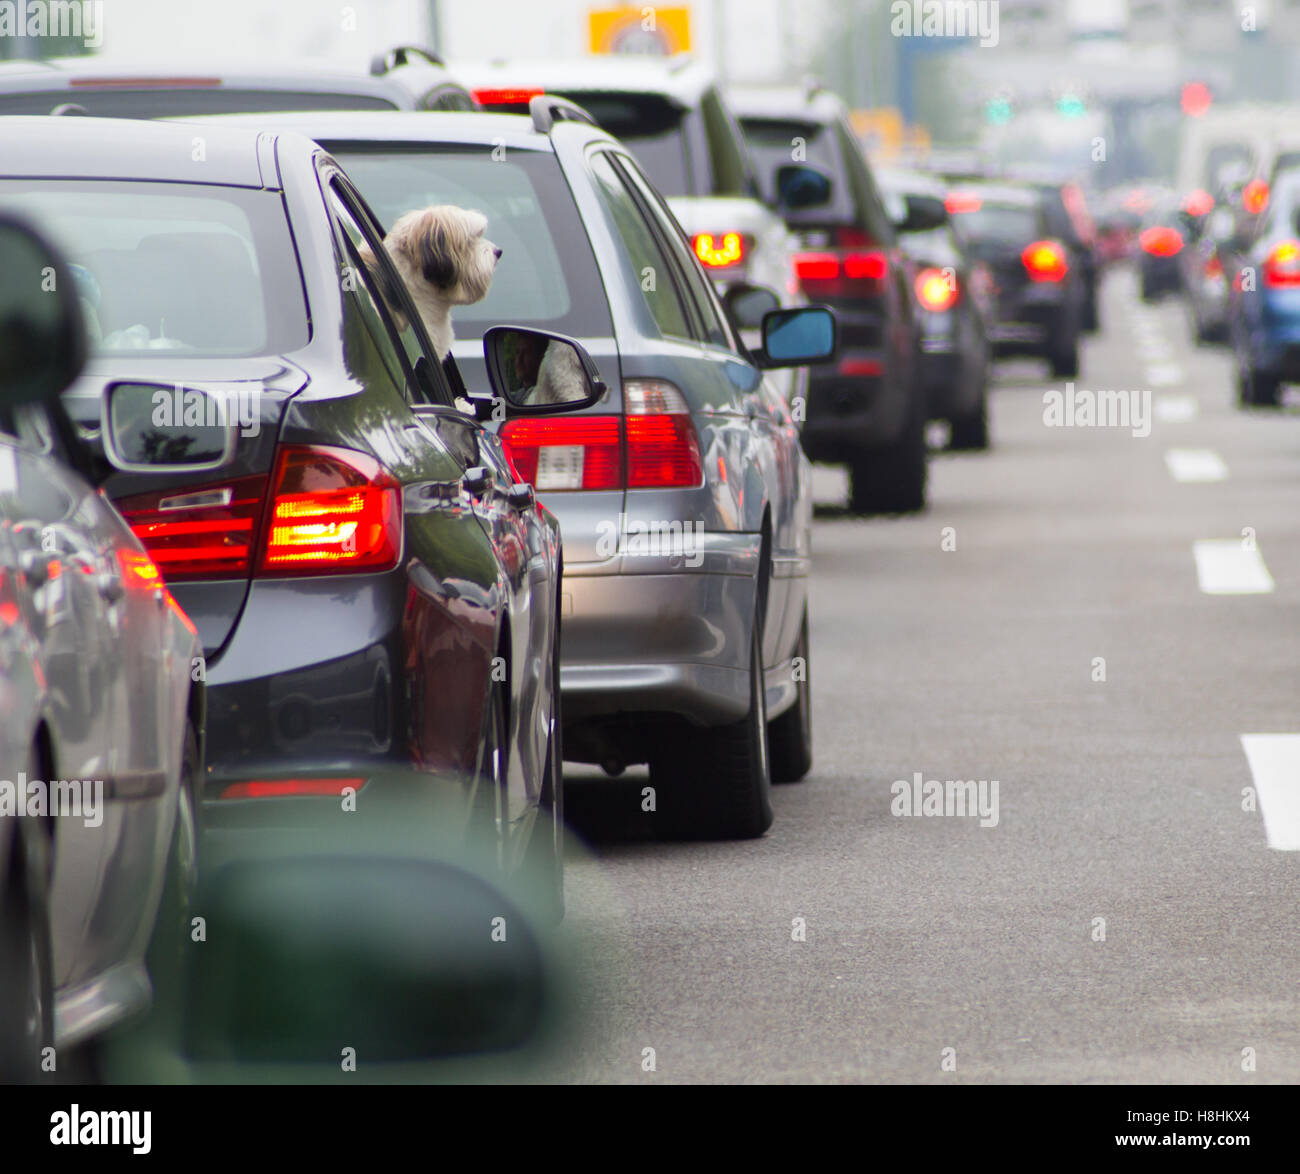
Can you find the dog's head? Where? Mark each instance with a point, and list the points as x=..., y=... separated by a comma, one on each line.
x=446, y=246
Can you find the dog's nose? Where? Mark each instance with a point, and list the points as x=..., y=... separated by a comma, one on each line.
x=498, y=253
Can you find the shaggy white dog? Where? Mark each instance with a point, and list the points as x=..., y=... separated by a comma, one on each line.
x=445, y=260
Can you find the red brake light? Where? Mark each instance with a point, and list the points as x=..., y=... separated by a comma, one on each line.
x=289, y=788
x=206, y=532
x=506, y=95
x=719, y=250
x=936, y=290
x=662, y=448
x=1045, y=261
x=1282, y=266
x=962, y=202
x=1213, y=267
x=1160, y=241
x=331, y=510
x=816, y=266
x=1254, y=197
x=865, y=265
x=1198, y=203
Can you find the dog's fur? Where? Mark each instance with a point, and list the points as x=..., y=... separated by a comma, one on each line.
x=445, y=260
x=560, y=377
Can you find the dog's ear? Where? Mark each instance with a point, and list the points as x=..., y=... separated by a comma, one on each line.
x=434, y=249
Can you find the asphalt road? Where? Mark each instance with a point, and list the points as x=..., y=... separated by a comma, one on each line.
x=1120, y=799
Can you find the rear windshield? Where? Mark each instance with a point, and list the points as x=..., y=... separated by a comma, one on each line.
x=1001, y=224
x=777, y=142
x=653, y=129
x=547, y=275
x=164, y=103
x=197, y=268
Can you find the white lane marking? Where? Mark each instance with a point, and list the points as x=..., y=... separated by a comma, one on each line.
x=1164, y=374
x=1275, y=766
x=1177, y=409
x=1225, y=567
x=1195, y=464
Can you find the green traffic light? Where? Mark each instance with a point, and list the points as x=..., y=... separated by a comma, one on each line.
x=1071, y=106
x=998, y=111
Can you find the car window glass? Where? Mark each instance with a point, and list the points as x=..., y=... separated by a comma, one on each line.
x=709, y=311
x=652, y=268
x=871, y=209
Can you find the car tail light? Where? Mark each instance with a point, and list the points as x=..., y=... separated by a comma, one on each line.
x=652, y=445
x=720, y=250
x=331, y=509
x=1282, y=266
x=1254, y=197
x=816, y=267
x=957, y=202
x=1213, y=267
x=506, y=95
x=662, y=448
x=851, y=270
x=1044, y=261
x=290, y=788
x=1160, y=241
x=859, y=368
x=1198, y=202
x=567, y=452
x=205, y=532
x=871, y=266
x=936, y=289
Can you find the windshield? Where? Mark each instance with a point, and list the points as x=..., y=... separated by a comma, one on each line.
x=164, y=102
x=652, y=128
x=546, y=277
x=1002, y=224
x=171, y=267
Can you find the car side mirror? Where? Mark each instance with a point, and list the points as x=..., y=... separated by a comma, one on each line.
x=748, y=304
x=798, y=337
x=157, y=428
x=923, y=214
x=799, y=186
x=539, y=373
x=42, y=331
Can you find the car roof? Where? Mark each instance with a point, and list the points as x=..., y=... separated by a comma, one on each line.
x=398, y=126
x=1001, y=193
x=681, y=77
x=77, y=72
x=124, y=149
x=797, y=103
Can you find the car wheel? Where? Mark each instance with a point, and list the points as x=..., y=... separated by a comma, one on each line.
x=1257, y=390
x=892, y=480
x=789, y=737
x=971, y=433
x=716, y=784
x=545, y=861
x=1149, y=292
x=26, y=964
x=169, y=946
x=1064, y=357
x=1091, y=318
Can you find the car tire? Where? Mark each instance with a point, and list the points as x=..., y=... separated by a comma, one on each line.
x=26, y=959
x=544, y=865
x=716, y=783
x=169, y=947
x=1148, y=291
x=1256, y=390
x=789, y=737
x=1091, y=316
x=971, y=433
x=893, y=480
x=1064, y=358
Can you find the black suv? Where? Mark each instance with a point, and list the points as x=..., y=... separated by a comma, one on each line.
x=404, y=78
x=868, y=411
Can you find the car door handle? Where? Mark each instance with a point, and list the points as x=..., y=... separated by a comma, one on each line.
x=477, y=480
x=521, y=495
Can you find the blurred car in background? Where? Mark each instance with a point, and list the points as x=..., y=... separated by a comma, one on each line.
x=684, y=500
x=868, y=412
x=1039, y=295
x=101, y=714
x=374, y=587
x=954, y=300
x=1202, y=278
x=1070, y=222
x=403, y=79
x=1161, y=238
x=1264, y=298
x=1119, y=220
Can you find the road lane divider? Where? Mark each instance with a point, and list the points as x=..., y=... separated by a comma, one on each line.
x=1274, y=761
x=1195, y=464
x=1230, y=567
x=1177, y=409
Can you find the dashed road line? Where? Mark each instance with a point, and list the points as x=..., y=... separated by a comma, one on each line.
x=1177, y=409
x=1195, y=464
x=1274, y=761
x=1226, y=567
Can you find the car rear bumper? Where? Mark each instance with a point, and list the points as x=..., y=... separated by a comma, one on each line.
x=662, y=638
x=848, y=413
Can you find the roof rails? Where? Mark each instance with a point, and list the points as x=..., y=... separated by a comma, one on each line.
x=381, y=63
x=679, y=61
x=548, y=109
